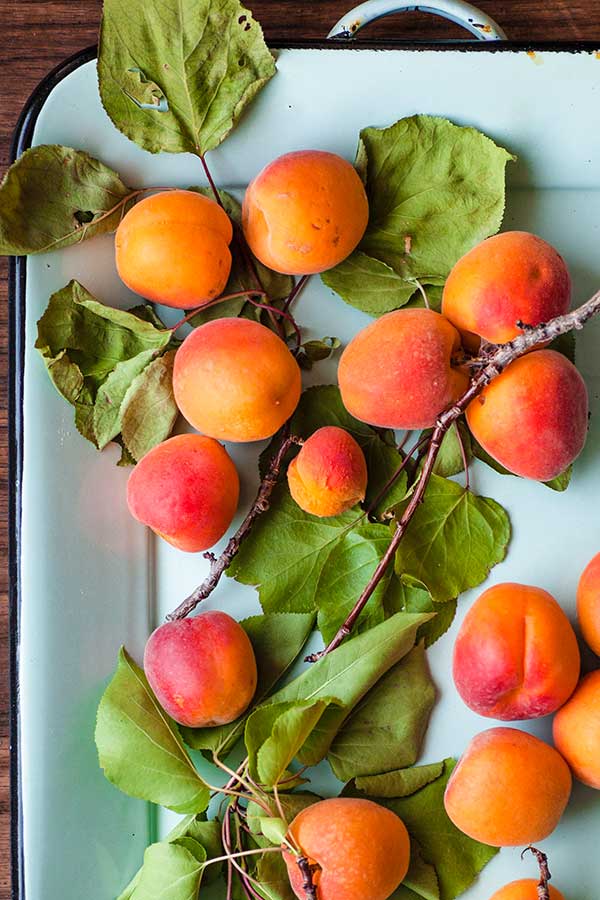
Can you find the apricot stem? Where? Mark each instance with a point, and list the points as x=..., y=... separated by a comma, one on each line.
x=218, y=565
x=218, y=300
x=492, y=363
x=543, y=891
x=307, y=870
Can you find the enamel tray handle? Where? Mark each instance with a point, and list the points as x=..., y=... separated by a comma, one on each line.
x=474, y=20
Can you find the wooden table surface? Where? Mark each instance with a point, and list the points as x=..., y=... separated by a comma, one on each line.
x=35, y=35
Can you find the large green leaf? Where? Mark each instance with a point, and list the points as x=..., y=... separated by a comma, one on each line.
x=54, y=196
x=435, y=191
x=149, y=410
x=386, y=729
x=411, y=595
x=271, y=874
x=139, y=746
x=107, y=411
x=453, y=540
x=176, y=75
x=171, y=871
x=401, y=783
x=277, y=639
x=421, y=879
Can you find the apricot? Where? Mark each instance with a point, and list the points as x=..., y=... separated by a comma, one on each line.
x=173, y=248
x=186, y=490
x=588, y=604
x=516, y=654
x=533, y=418
x=525, y=889
x=576, y=731
x=399, y=371
x=305, y=212
x=329, y=475
x=360, y=849
x=509, y=278
x=235, y=380
x=508, y=788
x=202, y=669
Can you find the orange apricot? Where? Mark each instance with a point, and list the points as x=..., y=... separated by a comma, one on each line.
x=508, y=788
x=516, y=655
x=509, y=278
x=235, y=380
x=305, y=212
x=173, y=248
x=359, y=848
x=533, y=418
x=186, y=490
x=398, y=372
x=588, y=604
x=329, y=475
x=202, y=669
x=524, y=889
x=576, y=731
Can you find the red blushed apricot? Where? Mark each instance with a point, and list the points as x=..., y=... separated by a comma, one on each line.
x=173, y=248
x=202, y=670
x=509, y=788
x=509, y=278
x=577, y=731
x=525, y=889
x=186, y=490
x=329, y=475
x=235, y=380
x=305, y=212
x=516, y=654
x=588, y=604
x=533, y=418
x=398, y=372
x=361, y=849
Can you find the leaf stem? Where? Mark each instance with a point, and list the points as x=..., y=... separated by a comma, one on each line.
x=296, y=290
x=239, y=854
x=215, y=302
x=491, y=364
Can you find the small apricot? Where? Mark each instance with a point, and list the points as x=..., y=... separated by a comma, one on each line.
x=516, y=654
x=359, y=848
x=533, y=418
x=576, y=731
x=235, y=380
x=186, y=490
x=173, y=248
x=588, y=604
x=329, y=475
x=508, y=788
x=398, y=372
x=202, y=669
x=305, y=212
x=525, y=889
x=511, y=277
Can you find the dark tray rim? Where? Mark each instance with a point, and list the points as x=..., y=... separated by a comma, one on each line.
x=17, y=282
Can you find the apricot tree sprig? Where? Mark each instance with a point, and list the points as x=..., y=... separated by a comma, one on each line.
x=492, y=362
x=543, y=890
x=218, y=565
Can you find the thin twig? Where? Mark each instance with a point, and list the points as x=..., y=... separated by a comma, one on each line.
x=215, y=302
x=295, y=291
x=463, y=453
x=218, y=565
x=497, y=358
x=543, y=890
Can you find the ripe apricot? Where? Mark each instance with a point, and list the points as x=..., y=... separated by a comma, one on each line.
x=329, y=475
x=576, y=730
x=509, y=788
x=516, y=654
x=533, y=418
x=202, y=669
x=361, y=849
x=398, y=372
x=305, y=212
x=525, y=889
x=186, y=490
x=588, y=604
x=235, y=380
x=509, y=278
x=173, y=248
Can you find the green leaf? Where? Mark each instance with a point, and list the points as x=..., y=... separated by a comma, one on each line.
x=171, y=871
x=453, y=540
x=291, y=804
x=433, y=292
x=435, y=191
x=149, y=411
x=107, y=412
x=450, y=458
x=139, y=746
x=54, y=196
x=176, y=75
x=421, y=879
x=271, y=873
x=411, y=595
x=386, y=729
x=274, y=829
x=560, y=483
x=347, y=673
x=401, y=783
x=316, y=351
x=277, y=639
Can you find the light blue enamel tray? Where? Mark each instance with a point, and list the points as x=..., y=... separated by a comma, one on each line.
x=87, y=577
